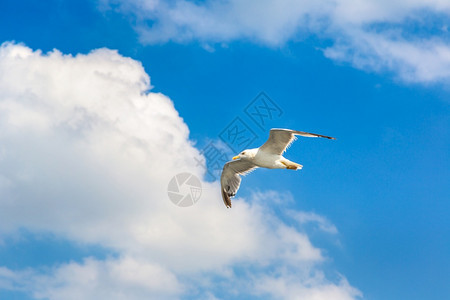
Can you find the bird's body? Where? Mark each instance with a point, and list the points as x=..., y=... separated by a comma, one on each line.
x=264, y=159
x=269, y=155
x=268, y=160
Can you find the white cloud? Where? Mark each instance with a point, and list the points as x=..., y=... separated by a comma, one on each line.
x=268, y=22
x=425, y=61
x=369, y=34
x=86, y=153
x=124, y=278
x=310, y=217
x=314, y=286
x=111, y=279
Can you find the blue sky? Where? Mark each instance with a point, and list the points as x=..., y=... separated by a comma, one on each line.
x=86, y=138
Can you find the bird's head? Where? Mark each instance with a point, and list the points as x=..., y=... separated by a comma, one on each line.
x=248, y=154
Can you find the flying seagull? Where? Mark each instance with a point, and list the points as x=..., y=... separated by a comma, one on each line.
x=269, y=155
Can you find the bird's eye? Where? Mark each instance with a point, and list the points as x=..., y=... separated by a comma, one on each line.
x=243, y=153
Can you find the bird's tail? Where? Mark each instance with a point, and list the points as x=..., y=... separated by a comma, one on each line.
x=290, y=165
x=295, y=166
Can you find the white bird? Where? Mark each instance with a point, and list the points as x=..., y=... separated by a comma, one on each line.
x=268, y=156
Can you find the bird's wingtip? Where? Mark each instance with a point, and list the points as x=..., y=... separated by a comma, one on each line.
x=226, y=199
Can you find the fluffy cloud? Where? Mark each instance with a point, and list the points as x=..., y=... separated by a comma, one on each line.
x=369, y=34
x=314, y=287
x=267, y=21
x=308, y=217
x=124, y=278
x=86, y=153
x=425, y=61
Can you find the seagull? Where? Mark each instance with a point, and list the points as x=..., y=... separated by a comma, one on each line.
x=269, y=155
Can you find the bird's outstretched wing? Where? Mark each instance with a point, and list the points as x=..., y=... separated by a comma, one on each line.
x=230, y=179
x=280, y=139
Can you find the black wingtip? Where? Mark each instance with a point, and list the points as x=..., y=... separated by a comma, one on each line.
x=226, y=199
x=327, y=137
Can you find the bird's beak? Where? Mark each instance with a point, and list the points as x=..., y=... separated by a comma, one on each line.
x=236, y=157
